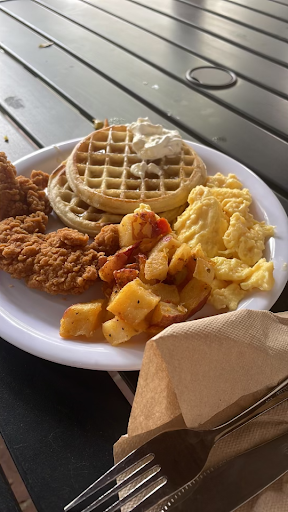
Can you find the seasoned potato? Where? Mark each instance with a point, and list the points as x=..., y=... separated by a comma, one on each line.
x=166, y=314
x=194, y=295
x=141, y=259
x=81, y=319
x=179, y=259
x=167, y=292
x=133, y=302
x=182, y=277
x=117, y=331
x=124, y=276
x=125, y=230
x=204, y=270
x=157, y=263
x=156, y=266
x=115, y=262
x=167, y=244
x=143, y=225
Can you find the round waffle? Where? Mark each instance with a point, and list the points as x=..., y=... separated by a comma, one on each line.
x=98, y=170
x=77, y=214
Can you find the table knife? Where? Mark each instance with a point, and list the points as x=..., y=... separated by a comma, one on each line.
x=230, y=484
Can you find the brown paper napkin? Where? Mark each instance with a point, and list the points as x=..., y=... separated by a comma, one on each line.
x=199, y=374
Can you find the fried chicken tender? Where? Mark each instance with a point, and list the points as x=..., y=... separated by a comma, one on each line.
x=107, y=240
x=60, y=262
x=20, y=195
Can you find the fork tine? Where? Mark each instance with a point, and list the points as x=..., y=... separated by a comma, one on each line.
x=152, y=486
x=138, y=482
x=117, y=470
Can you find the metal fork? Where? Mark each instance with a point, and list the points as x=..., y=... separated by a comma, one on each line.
x=168, y=461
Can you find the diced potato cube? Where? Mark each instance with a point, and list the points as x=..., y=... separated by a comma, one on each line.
x=167, y=292
x=157, y=263
x=81, y=319
x=204, y=270
x=194, y=295
x=125, y=231
x=156, y=266
x=133, y=302
x=179, y=259
x=118, y=331
x=167, y=314
x=167, y=244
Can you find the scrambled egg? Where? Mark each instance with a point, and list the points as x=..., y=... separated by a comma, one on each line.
x=217, y=223
x=203, y=223
x=245, y=238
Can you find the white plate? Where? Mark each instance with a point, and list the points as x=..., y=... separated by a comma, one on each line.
x=30, y=319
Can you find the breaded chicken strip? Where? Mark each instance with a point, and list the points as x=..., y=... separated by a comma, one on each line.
x=20, y=195
x=58, y=263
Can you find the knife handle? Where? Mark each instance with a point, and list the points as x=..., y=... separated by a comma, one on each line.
x=266, y=403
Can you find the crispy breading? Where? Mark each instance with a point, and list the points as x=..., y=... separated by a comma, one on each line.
x=20, y=195
x=107, y=240
x=60, y=262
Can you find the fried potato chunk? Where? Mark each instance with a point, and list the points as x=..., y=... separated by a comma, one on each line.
x=118, y=331
x=81, y=319
x=133, y=302
x=194, y=295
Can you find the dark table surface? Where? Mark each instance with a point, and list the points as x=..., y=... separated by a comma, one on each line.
x=124, y=59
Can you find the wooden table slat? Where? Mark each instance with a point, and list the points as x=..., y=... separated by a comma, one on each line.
x=244, y=37
x=85, y=88
x=255, y=103
x=251, y=101
x=273, y=9
x=282, y=2
x=239, y=14
x=245, y=64
x=221, y=128
x=47, y=117
x=18, y=144
x=256, y=69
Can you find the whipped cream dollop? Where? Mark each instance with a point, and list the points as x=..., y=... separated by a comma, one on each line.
x=152, y=141
x=141, y=168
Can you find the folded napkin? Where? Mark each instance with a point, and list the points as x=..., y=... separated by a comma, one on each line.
x=201, y=373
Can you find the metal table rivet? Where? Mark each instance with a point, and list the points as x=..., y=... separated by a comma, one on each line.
x=211, y=77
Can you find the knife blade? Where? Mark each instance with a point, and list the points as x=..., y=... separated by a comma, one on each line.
x=234, y=482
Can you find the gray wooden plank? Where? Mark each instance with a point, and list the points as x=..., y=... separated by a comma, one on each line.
x=265, y=6
x=224, y=29
x=238, y=13
x=87, y=90
x=254, y=68
x=250, y=100
x=208, y=120
x=282, y=2
x=247, y=65
x=45, y=115
x=18, y=144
